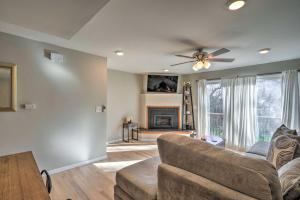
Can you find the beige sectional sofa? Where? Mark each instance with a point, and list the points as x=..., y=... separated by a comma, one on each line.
x=190, y=169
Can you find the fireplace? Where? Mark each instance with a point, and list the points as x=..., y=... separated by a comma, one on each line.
x=163, y=118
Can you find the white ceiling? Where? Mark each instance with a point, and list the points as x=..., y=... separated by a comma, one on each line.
x=151, y=32
x=56, y=17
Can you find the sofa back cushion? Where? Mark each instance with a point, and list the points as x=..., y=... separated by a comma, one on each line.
x=254, y=177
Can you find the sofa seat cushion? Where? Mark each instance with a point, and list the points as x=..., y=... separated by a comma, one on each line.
x=140, y=179
x=120, y=194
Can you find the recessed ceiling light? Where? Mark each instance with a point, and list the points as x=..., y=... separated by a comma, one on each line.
x=119, y=53
x=166, y=70
x=264, y=51
x=235, y=4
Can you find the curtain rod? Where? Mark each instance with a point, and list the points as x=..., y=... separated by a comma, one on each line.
x=263, y=74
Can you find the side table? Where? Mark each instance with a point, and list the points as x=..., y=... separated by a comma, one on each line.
x=128, y=126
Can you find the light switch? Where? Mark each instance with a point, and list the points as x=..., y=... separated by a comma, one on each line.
x=29, y=106
x=100, y=109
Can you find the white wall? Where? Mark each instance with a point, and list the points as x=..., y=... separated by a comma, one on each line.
x=64, y=129
x=124, y=91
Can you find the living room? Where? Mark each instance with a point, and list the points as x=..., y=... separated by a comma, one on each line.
x=137, y=99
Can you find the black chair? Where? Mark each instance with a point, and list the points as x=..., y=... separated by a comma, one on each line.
x=48, y=181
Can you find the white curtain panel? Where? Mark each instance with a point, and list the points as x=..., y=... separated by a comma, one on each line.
x=290, y=99
x=239, y=104
x=202, y=108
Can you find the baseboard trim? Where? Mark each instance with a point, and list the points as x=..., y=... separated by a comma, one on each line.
x=113, y=141
x=80, y=164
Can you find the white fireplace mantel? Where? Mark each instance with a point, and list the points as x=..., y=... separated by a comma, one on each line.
x=159, y=100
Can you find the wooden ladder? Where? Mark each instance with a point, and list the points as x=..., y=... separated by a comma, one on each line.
x=188, y=121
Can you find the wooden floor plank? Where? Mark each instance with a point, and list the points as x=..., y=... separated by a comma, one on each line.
x=96, y=181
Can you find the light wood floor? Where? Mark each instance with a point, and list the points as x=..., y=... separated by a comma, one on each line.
x=96, y=181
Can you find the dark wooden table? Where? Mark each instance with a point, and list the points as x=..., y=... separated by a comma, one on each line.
x=20, y=178
x=128, y=127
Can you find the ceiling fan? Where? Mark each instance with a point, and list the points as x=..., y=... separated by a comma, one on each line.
x=203, y=59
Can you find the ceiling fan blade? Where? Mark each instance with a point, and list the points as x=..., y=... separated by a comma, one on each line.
x=219, y=52
x=221, y=59
x=184, y=56
x=182, y=63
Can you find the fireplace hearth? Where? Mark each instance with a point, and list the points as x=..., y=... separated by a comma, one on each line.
x=163, y=118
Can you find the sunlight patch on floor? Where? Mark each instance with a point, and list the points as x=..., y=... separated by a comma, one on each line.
x=131, y=148
x=115, y=166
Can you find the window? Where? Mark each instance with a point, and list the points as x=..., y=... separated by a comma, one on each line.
x=268, y=105
x=215, y=108
x=268, y=89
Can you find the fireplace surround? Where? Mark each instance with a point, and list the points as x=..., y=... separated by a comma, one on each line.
x=163, y=118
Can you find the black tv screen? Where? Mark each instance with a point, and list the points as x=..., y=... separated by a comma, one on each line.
x=161, y=83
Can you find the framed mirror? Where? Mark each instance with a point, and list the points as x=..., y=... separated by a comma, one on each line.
x=8, y=87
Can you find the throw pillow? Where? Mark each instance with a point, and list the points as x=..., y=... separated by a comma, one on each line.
x=282, y=150
x=297, y=138
x=289, y=176
x=283, y=130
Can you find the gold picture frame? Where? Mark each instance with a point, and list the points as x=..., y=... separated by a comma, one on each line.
x=11, y=95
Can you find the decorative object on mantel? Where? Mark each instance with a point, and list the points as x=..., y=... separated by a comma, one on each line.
x=8, y=87
x=188, y=121
x=128, y=119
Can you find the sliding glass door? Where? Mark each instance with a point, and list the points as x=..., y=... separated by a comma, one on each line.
x=215, y=108
x=268, y=117
x=268, y=105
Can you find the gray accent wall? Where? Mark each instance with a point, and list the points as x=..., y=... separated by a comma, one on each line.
x=123, y=100
x=241, y=71
x=64, y=129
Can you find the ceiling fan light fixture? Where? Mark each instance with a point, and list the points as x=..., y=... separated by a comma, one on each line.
x=206, y=64
x=235, y=4
x=199, y=64
x=195, y=68
x=202, y=59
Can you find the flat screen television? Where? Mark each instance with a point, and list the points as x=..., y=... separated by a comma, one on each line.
x=162, y=83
